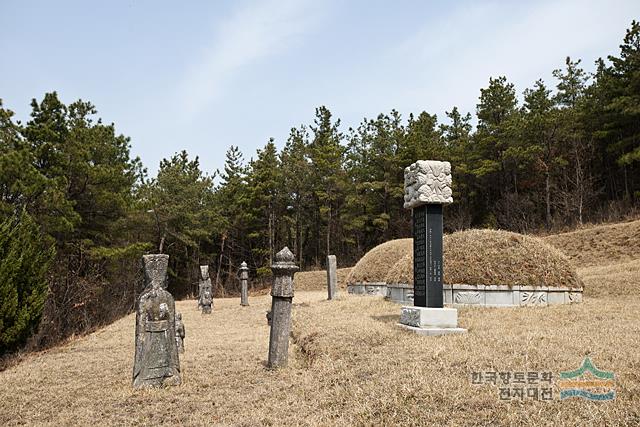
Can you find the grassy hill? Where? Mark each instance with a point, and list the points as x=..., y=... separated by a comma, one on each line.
x=600, y=244
x=350, y=364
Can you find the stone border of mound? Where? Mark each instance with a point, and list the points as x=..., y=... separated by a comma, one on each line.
x=477, y=295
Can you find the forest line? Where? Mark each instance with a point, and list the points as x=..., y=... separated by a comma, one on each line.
x=73, y=198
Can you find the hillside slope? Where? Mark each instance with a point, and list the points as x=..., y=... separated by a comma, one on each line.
x=600, y=244
x=349, y=364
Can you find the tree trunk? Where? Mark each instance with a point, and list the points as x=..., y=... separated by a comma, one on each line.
x=224, y=238
x=547, y=197
x=270, y=235
x=162, y=239
x=329, y=232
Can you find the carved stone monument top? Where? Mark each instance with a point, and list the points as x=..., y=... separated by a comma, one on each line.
x=283, y=269
x=204, y=272
x=285, y=260
x=427, y=181
x=244, y=266
x=155, y=270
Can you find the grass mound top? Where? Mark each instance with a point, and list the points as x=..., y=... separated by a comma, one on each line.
x=600, y=244
x=375, y=264
x=491, y=257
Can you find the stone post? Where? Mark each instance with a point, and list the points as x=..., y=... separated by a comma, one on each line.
x=332, y=277
x=281, y=298
x=427, y=185
x=244, y=291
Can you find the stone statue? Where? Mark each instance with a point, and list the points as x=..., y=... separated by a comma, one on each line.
x=206, y=292
x=206, y=301
x=179, y=333
x=156, y=360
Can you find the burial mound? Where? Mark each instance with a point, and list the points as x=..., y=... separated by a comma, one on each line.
x=484, y=267
x=368, y=275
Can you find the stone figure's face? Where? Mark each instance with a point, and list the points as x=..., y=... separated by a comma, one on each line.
x=155, y=270
x=204, y=272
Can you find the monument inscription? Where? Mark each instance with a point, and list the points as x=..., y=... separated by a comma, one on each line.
x=427, y=259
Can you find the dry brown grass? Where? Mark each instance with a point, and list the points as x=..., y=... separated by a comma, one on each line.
x=490, y=257
x=375, y=264
x=349, y=365
x=600, y=244
x=316, y=280
x=611, y=280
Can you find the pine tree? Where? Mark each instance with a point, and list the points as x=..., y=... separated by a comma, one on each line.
x=461, y=154
x=539, y=146
x=265, y=201
x=296, y=177
x=577, y=189
x=179, y=201
x=24, y=262
x=497, y=124
x=326, y=157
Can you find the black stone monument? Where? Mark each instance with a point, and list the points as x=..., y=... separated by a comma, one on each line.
x=427, y=255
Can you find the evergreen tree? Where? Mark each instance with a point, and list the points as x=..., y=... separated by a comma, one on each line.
x=179, y=202
x=265, y=193
x=576, y=187
x=296, y=178
x=497, y=125
x=24, y=262
x=461, y=153
x=326, y=158
x=539, y=145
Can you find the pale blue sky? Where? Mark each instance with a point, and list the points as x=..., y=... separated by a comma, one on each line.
x=204, y=75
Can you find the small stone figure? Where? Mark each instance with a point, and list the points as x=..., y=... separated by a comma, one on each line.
x=206, y=301
x=156, y=360
x=206, y=292
x=179, y=333
x=269, y=317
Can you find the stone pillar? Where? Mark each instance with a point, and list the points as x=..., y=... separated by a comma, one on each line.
x=244, y=277
x=332, y=277
x=427, y=185
x=281, y=298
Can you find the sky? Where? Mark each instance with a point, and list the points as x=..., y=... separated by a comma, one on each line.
x=204, y=75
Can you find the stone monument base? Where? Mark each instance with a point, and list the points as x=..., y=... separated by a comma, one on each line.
x=430, y=321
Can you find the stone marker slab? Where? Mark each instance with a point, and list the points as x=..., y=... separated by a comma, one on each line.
x=332, y=277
